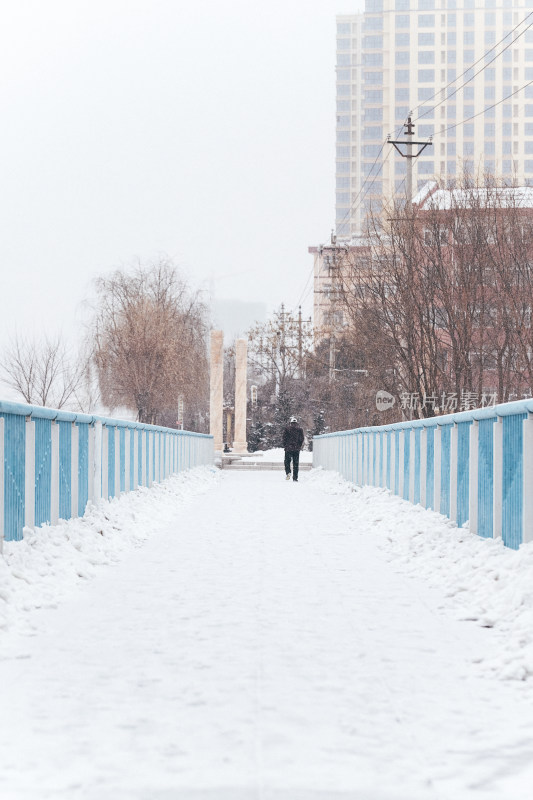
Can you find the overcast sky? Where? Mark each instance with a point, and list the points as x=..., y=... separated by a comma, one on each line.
x=203, y=130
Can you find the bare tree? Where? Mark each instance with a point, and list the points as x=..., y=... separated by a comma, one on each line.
x=443, y=297
x=149, y=337
x=42, y=371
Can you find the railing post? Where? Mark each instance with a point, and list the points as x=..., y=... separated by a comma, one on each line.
x=473, y=477
x=437, y=461
x=401, y=464
x=2, y=507
x=527, y=494
x=453, y=471
x=74, y=468
x=54, y=484
x=423, y=465
x=29, y=483
x=498, y=478
x=97, y=466
x=412, y=458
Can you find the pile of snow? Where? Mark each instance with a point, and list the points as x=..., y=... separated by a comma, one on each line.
x=278, y=454
x=484, y=581
x=52, y=560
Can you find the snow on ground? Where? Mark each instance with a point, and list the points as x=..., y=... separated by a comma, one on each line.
x=278, y=454
x=483, y=580
x=48, y=563
x=241, y=637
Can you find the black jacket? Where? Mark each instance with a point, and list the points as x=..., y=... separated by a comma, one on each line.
x=293, y=437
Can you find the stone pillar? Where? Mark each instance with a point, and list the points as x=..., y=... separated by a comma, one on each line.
x=216, y=396
x=240, y=444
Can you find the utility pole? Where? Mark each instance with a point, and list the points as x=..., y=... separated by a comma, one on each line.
x=410, y=155
x=300, y=349
x=331, y=358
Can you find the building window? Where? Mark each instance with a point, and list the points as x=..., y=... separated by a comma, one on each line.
x=426, y=20
x=373, y=77
x=528, y=165
x=343, y=105
x=372, y=59
x=343, y=28
x=428, y=112
x=372, y=132
x=452, y=21
x=468, y=20
x=401, y=113
x=468, y=148
x=344, y=89
x=343, y=152
x=507, y=167
x=452, y=56
x=343, y=167
x=402, y=39
x=344, y=59
x=426, y=5
x=373, y=96
x=402, y=76
x=506, y=148
x=468, y=111
x=426, y=76
x=490, y=37
x=452, y=148
x=468, y=57
x=402, y=57
x=452, y=112
x=373, y=42
x=344, y=44
x=344, y=74
x=343, y=136
x=490, y=148
x=490, y=92
x=426, y=57
x=528, y=110
x=528, y=148
x=373, y=24
x=529, y=54
x=507, y=110
x=343, y=121
x=426, y=39
x=426, y=130
x=451, y=168
x=468, y=129
x=371, y=150
x=373, y=114
x=402, y=95
x=402, y=20
x=426, y=167
x=425, y=92
x=343, y=183
x=452, y=73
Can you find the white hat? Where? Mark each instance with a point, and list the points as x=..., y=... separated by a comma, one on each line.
x=293, y=419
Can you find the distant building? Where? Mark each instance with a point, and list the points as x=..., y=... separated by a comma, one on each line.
x=461, y=66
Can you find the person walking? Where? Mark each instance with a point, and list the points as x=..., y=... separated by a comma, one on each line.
x=293, y=439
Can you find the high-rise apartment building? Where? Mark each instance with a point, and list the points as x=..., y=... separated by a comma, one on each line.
x=464, y=68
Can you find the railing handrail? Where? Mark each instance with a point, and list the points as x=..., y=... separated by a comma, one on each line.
x=476, y=414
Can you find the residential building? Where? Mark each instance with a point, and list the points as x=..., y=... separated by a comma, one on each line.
x=464, y=68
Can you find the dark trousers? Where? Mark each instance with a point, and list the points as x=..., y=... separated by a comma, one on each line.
x=295, y=455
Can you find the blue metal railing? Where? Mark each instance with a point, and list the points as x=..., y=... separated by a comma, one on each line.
x=474, y=466
x=52, y=463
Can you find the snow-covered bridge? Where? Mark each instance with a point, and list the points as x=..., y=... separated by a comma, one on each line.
x=232, y=636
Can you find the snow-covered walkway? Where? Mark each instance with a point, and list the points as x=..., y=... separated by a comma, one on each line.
x=262, y=646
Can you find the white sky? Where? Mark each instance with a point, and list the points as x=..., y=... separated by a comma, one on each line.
x=202, y=130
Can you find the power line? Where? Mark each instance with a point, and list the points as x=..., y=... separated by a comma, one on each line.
x=483, y=111
x=429, y=111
